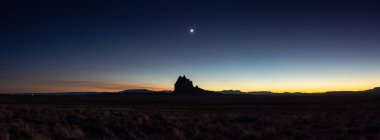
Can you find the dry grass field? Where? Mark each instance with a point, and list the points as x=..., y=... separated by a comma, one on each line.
x=117, y=117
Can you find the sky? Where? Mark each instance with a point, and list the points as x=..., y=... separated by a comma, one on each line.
x=252, y=45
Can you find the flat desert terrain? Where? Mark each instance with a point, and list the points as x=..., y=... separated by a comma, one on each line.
x=117, y=117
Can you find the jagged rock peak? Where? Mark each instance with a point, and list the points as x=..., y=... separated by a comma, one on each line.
x=185, y=86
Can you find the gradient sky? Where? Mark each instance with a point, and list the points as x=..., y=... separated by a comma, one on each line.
x=255, y=45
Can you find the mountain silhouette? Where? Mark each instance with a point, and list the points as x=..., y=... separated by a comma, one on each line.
x=184, y=86
x=375, y=90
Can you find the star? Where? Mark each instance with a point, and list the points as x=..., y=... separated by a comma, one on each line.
x=192, y=30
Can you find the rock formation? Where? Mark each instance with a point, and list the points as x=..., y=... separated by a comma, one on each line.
x=185, y=86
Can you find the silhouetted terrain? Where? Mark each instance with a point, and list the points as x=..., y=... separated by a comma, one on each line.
x=122, y=116
x=184, y=86
x=190, y=113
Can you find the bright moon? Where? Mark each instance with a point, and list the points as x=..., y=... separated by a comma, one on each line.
x=192, y=30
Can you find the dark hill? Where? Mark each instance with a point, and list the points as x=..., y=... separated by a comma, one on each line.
x=375, y=90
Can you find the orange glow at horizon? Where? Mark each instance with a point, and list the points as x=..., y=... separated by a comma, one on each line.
x=273, y=87
x=309, y=87
x=301, y=84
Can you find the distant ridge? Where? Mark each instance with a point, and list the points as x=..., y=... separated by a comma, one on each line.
x=375, y=90
x=142, y=92
x=184, y=86
x=246, y=93
x=136, y=91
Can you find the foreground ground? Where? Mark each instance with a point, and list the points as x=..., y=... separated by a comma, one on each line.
x=117, y=117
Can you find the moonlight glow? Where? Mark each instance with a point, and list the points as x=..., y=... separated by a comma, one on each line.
x=192, y=30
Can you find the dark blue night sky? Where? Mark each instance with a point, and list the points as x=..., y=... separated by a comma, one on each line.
x=275, y=45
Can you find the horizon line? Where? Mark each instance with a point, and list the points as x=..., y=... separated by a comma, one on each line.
x=247, y=92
